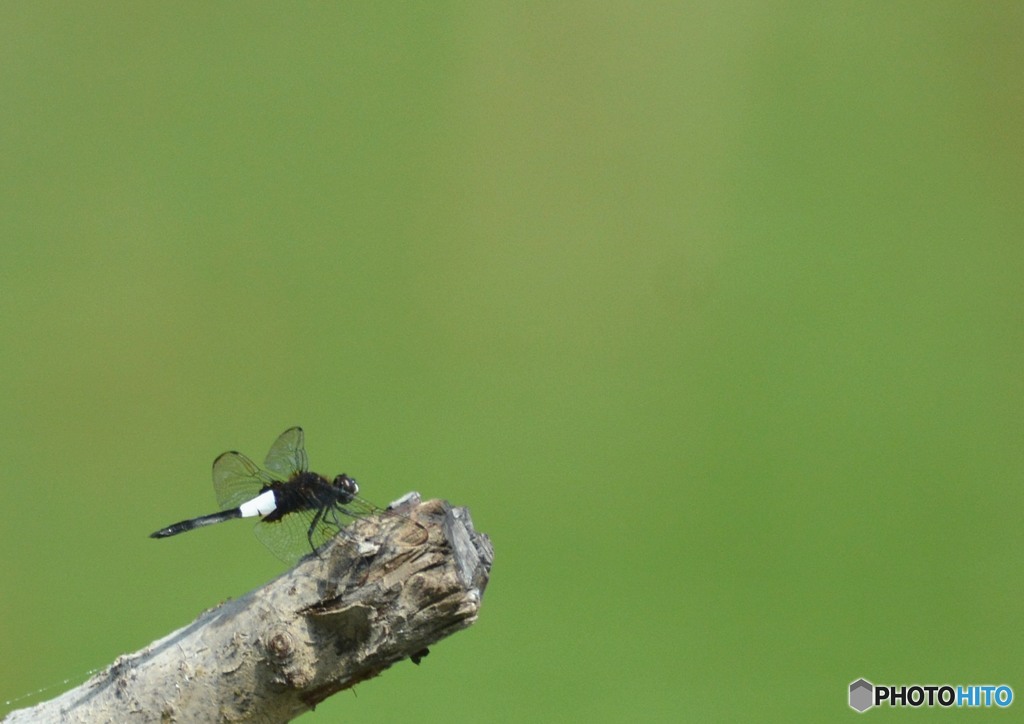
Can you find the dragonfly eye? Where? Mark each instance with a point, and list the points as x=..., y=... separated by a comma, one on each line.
x=347, y=484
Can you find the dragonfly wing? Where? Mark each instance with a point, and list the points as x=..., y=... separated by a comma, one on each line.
x=288, y=454
x=302, y=531
x=237, y=479
x=358, y=508
x=289, y=537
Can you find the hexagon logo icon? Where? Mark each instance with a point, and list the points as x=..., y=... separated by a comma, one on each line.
x=861, y=695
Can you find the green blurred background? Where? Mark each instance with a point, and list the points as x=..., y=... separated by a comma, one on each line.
x=710, y=313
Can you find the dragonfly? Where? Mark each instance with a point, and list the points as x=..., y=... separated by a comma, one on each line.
x=300, y=510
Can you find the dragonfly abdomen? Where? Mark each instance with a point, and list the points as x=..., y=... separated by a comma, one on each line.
x=194, y=523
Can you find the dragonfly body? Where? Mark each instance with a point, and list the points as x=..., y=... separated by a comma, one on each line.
x=286, y=495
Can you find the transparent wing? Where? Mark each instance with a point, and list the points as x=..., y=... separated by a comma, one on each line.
x=290, y=539
x=288, y=454
x=236, y=479
x=358, y=508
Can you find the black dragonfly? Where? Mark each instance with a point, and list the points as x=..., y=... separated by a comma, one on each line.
x=300, y=509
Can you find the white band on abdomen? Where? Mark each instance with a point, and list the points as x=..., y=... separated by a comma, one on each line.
x=262, y=504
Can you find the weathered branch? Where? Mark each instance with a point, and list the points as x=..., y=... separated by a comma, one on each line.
x=392, y=585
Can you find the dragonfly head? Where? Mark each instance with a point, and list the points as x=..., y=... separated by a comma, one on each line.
x=347, y=485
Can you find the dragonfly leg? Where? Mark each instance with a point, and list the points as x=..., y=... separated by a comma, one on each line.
x=334, y=517
x=312, y=526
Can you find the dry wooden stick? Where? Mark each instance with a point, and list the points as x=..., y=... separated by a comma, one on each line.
x=384, y=590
